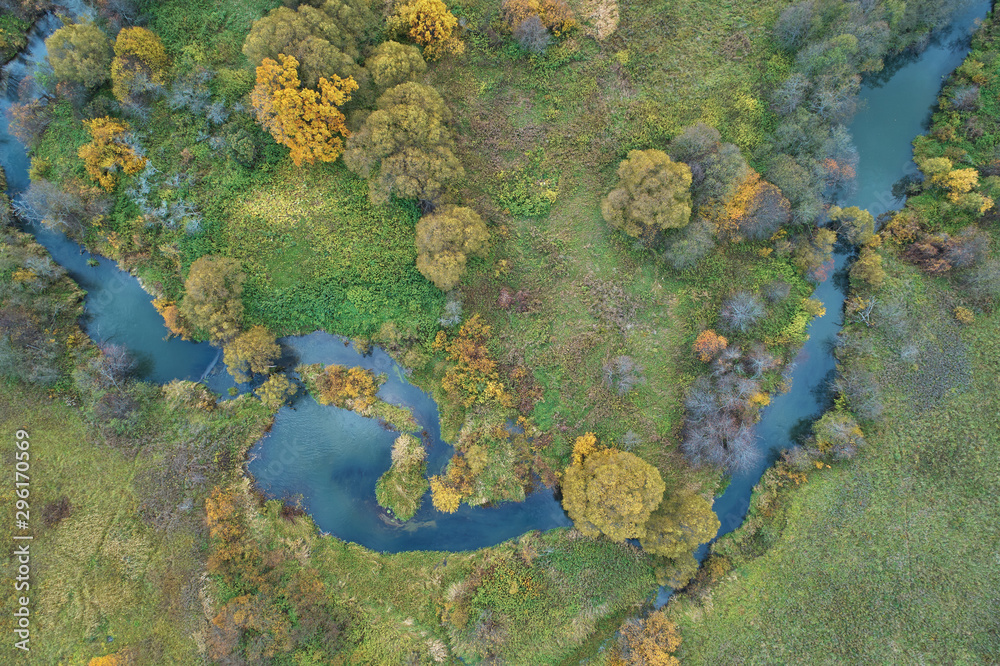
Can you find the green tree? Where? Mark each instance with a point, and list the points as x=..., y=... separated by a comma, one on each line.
x=445, y=240
x=324, y=40
x=211, y=300
x=392, y=63
x=612, y=492
x=857, y=224
x=251, y=352
x=80, y=52
x=275, y=391
x=868, y=268
x=405, y=147
x=679, y=525
x=653, y=193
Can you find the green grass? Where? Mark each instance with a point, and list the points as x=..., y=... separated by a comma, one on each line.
x=889, y=558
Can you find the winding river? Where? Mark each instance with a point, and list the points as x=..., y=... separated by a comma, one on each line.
x=331, y=458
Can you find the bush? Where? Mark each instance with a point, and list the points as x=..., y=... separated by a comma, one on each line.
x=532, y=35
x=741, y=311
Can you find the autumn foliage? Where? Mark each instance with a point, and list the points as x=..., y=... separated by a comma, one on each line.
x=653, y=194
x=612, y=492
x=708, y=344
x=212, y=300
x=108, y=152
x=430, y=24
x=139, y=59
x=308, y=122
x=445, y=240
x=472, y=377
x=647, y=642
x=353, y=388
x=251, y=352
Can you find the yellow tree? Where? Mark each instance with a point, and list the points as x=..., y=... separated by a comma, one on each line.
x=612, y=492
x=139, y=59
x=430, y=24
x=253, y=351
x=708, y=344
x=309, y=123
x=108, y=151
x=445, y=240
x=679, y=525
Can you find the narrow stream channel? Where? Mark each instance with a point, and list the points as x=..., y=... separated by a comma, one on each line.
x=332, y=457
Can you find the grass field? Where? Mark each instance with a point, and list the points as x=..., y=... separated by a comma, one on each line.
x=892, y=557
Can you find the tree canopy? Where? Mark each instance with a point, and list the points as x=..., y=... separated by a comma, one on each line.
x=324, y=40
x=404, y=146
x=445, y=240
x=251, y=352
x=680, y=524
x=430, y=24
x=80, y=52
x=612, y=492
x=653, y=193
x=308, y=122
x=109, y=151
x=212, y=293
x=392, y=63
x=140, y=61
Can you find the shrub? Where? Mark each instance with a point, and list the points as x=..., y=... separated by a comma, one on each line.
x=708, y=344
x=532, y=35
x=741, y=311
x=109, y=150
x=692, y=244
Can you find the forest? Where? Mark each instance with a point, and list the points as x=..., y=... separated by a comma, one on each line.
x=594, y=233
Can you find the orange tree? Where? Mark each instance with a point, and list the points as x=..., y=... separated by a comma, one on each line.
x=309, y=123
x=108, y=151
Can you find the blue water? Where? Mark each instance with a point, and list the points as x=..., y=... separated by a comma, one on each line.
x=890, y=117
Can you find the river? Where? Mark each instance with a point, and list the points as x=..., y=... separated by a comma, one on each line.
x=331, y=458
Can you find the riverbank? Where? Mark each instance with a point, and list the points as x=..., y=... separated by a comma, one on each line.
x=890, y=556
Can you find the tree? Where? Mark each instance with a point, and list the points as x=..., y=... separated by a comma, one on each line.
x=28, y=120
x=392, y=63
x=140, y=60
x=858, y=225
x=108, y=151
x=445, y=240
x=251, y=352
x=868, y=269
x=324, y=40
x=741, y=311
x=708, y=344
x=212, y=293
x=309, y=123
x=612, y=492
x=695, y=241
x=679, y=525
x=813, y=254
x=648, y=642
x=532, y=35
x=653, y=193
x=80, y=52
x=275, y=391
x=430, y=24
x=405, y=147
